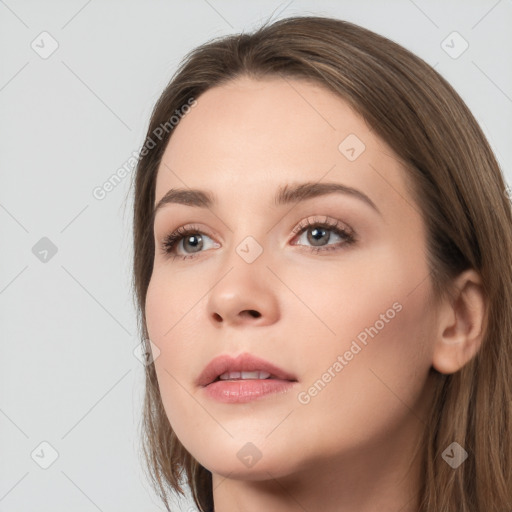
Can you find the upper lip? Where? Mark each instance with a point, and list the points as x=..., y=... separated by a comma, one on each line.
x=242, y=363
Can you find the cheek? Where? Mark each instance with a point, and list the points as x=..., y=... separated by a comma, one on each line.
x=161, y=319
x=170, y=309
x=338, y=302
x=172, y=318
x=385, y=342
x=381, y=326
x=169, y=302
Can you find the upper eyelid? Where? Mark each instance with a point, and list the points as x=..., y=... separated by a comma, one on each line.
x=304, y=222
x=328, y=221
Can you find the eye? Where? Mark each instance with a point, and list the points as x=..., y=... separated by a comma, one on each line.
x=189, y=239
x=319, y=233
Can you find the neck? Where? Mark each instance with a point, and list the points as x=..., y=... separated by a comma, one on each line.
x=383, y=477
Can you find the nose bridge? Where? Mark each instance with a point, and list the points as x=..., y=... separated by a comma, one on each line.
x=249, y=235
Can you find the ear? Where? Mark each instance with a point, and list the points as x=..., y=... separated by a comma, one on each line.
x=461, y=324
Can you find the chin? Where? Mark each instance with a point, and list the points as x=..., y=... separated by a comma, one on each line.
x=243, y=461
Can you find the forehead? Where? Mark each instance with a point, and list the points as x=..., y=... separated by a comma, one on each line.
x=249, y=136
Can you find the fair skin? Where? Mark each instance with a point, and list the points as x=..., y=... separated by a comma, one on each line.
x=350, y=446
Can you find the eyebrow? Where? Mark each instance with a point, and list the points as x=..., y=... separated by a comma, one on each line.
x=286, y=194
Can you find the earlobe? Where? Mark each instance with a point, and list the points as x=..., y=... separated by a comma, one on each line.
x=461, y=324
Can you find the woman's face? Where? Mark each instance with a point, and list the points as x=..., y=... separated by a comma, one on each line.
x=329, y=283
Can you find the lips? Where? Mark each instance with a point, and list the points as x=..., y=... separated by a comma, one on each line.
x=243, y=367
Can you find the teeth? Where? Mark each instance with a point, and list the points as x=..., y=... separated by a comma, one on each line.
x=244, y=375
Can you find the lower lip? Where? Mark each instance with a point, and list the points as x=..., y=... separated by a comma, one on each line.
x=240, y=391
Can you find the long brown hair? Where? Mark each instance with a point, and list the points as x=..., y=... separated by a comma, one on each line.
x=460, y=191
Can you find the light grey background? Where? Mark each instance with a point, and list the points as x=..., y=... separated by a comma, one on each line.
x=68, y=374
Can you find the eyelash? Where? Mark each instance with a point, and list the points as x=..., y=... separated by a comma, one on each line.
x=171, y=240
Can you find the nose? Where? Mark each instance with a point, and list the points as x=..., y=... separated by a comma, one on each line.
x=245, y=295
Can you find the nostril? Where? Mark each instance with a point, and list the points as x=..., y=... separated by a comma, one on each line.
x=253, y=313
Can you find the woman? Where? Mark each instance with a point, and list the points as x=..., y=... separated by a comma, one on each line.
x=322, y=262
